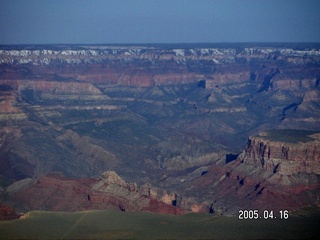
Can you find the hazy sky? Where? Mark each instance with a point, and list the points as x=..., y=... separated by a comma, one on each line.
x=158, y=21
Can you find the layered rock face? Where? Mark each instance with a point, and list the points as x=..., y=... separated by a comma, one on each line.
x=278, y=170
x=151, y=108
x=57, y=193
x=290, y=156
x=146, y=66
x=156, y=115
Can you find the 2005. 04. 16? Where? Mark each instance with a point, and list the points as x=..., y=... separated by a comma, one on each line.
x=266, y=214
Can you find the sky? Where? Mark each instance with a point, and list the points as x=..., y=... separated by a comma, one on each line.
x=158, y=21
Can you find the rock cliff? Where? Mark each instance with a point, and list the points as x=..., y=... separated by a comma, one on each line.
x=160, y=115
x=285, y=151
x=278, y=170
x=144, y=66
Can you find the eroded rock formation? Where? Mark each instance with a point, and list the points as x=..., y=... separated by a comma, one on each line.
x=292, y=155
x=164, y=115
x=264, y=176
x=57, y=193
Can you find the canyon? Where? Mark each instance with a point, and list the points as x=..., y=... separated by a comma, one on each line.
x=273, y=172
x=171, y=120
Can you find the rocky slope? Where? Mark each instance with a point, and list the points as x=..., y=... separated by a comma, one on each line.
x=57, y=193
x=225, y=187
x=272, y=173
x=155, y=107
x=156, y=114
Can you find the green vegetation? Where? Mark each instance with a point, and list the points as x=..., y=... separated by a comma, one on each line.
x=289, y=135
x=143, y=225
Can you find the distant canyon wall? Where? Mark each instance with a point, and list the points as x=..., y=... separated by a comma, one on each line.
x=143, y=67
x=214, y=98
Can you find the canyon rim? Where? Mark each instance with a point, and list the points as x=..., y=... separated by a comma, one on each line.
x=165, y=128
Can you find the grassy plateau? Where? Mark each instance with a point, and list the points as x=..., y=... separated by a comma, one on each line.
x=144, y=225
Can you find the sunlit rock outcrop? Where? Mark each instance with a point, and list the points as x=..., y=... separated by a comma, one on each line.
x=163, y=117
x=57, y=193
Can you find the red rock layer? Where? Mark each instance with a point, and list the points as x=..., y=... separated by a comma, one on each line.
x=160, y=207
x=284, y=157
x=57, y=193
x=279, y=170
x=7, y=212
x=149, y=66
x=240, y=186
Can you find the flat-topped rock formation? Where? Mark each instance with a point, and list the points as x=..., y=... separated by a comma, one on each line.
x=158, y=115
x=285, y=151
x=278, y=170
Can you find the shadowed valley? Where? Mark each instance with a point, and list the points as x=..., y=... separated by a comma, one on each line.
x=187, y=128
